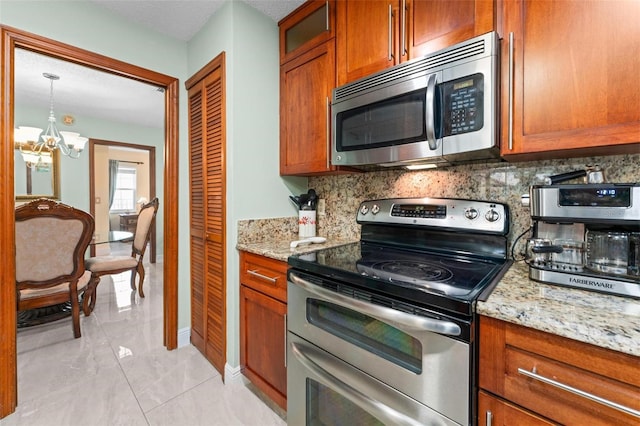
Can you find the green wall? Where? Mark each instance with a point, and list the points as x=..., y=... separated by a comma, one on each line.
x=101, y=31
x=254, y=187
x=250, y=40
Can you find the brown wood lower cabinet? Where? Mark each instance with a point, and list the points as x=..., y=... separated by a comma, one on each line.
x=263, y=311
x=527, y=376
x=497, y=412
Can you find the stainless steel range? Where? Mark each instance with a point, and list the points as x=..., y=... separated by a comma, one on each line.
x=383, y=331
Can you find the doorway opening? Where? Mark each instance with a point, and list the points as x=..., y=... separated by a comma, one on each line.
x=11, y=40
x=140, y=160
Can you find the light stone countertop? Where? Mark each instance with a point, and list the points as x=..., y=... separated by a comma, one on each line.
x=600, y=319
x=281, y=250
x=603, y=320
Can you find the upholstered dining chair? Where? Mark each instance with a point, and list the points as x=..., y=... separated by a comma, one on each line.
x=51, y=241
x=108, y=265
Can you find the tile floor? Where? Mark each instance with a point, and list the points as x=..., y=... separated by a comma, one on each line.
x=118, y=372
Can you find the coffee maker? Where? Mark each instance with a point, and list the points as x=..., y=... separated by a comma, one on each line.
x=586, y=236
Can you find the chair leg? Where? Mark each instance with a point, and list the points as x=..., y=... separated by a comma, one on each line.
x=75, y=313
x=89, y=299
x=140, y=270
x=85, y=299
x=133, y=278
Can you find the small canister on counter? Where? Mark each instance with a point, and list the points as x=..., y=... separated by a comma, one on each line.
x=306, y=213
x=306, y=223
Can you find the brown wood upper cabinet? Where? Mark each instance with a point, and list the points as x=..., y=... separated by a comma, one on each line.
x=306, y=83
x=373, y=35
x=307, y=78
x=308, y=26
x=570, y=78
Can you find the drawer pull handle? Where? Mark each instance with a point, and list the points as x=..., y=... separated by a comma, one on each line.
x=587, y=395
x=259, y=275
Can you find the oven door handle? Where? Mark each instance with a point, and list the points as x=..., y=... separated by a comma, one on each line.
x=310, y=360
x=406, y=322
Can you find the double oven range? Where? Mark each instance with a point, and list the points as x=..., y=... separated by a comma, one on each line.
x=383, y=331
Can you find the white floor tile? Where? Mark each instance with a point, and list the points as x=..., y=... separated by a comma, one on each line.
x=158, y=376
x=215, y=404
x=100, y=399
x=119, y=373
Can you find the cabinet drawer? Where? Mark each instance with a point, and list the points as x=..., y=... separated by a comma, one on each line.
x=265, y=275
x=493, y=411
x=558, y=378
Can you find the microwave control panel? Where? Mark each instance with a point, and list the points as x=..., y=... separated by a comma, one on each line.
x=463, y=105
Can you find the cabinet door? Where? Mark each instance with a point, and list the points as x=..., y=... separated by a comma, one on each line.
x=436, y=24
x=262, y=343
x=574, y=88
x=496, y=412
x=306, y=83
x=367, y=37
x=310, y=25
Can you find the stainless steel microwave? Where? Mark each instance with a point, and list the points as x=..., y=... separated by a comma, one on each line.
x=441, y=108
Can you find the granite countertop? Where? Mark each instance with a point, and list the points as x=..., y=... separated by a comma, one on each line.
x=281, y=250
x=603, y=320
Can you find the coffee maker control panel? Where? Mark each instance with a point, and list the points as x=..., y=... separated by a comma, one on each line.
x=615, y=202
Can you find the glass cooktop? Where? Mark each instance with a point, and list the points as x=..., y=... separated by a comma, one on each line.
x=417, y=276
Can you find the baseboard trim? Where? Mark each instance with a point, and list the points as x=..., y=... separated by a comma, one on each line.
x=232, y=373
x=184, y=337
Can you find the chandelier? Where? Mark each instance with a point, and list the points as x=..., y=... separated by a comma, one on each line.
x=37, y=148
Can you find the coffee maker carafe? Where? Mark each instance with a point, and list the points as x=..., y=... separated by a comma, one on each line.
x=586, y=236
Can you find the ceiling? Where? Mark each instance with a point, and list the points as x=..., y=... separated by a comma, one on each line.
x=182, y=19
x=91, y=93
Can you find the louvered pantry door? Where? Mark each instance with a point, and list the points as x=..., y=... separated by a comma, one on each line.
x=207, y=239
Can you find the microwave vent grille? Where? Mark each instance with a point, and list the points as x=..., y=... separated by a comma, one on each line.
x=472, y=50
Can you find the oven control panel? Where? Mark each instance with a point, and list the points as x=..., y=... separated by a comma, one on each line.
x=468, y=215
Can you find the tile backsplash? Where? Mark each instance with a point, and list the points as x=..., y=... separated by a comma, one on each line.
x=500, y=182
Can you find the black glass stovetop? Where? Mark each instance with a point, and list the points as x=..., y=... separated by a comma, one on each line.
x=429, y=279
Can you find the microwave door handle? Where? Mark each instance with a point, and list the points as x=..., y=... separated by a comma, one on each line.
x=430, y=118
x=373, y=406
